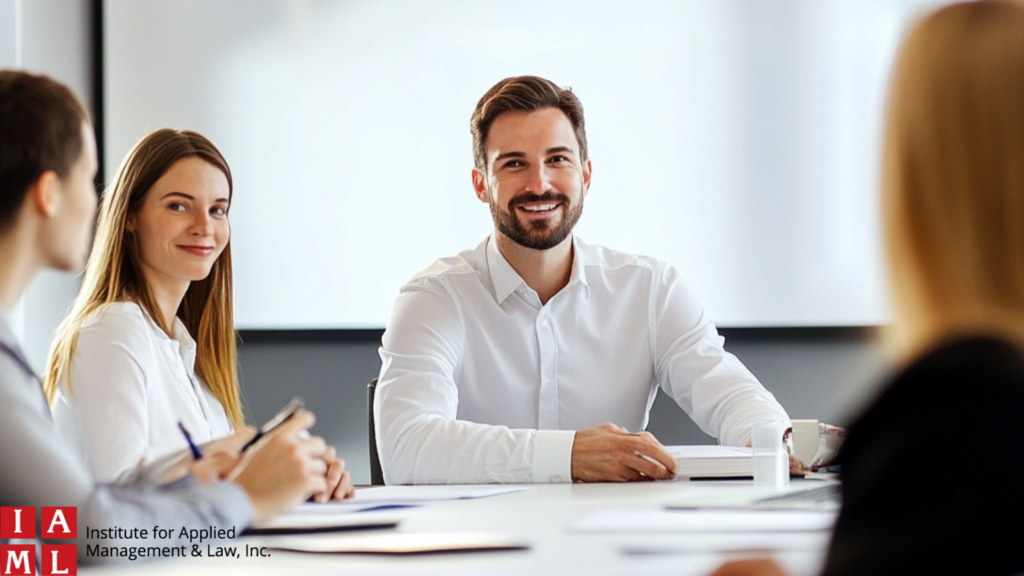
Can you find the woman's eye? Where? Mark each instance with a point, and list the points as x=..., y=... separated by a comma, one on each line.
x=218, y=211
x=177, y=207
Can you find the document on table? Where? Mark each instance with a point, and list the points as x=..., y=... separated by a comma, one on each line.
x=396, y=496
x=321, y=523
x=654, y=521
x=398, y=543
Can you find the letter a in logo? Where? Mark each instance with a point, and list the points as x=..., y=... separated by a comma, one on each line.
x=17, y=522
x=59, y=560
x=18, y=559
x=60, y=522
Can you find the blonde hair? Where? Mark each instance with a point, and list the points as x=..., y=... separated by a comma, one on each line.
x=113, y=273
x=953, y=177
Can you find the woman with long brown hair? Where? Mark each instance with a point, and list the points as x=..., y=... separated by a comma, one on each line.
x=150, y=341
x=932, y=470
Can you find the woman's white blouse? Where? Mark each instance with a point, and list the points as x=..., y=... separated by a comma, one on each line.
x=130, y=386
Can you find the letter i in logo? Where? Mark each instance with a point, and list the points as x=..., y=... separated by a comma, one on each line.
x=17, y=522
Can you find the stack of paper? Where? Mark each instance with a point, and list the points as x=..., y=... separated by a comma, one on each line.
x=712, y=461
x=399, y=543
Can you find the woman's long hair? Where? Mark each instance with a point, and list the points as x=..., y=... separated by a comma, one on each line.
x=953, y=177
x=113, y=273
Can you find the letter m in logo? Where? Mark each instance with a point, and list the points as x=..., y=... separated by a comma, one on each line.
x=18, y=559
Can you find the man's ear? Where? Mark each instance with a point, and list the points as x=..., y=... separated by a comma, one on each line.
x=480, y=186
x=44, y=195
x=588, y=168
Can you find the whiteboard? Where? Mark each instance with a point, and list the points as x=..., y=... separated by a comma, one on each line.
x=737, y=140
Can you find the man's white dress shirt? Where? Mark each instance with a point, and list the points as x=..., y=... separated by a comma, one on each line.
x=130, y=386
x=481, y=382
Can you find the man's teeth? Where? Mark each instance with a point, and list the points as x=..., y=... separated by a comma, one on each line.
x=539, y=207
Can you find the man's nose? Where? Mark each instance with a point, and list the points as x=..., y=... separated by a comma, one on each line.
x=539, y=181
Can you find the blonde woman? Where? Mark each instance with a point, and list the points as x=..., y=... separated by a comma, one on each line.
x=953, y=197
x=150, y=341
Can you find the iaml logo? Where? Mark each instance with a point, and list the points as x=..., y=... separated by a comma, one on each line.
x=20, y=523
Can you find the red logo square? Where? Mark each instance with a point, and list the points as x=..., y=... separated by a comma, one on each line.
x=59, y=560
x=60, y=522
x=18, y=559
x=17, y=522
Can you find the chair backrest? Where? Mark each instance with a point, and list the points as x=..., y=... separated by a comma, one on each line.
x=376, y=472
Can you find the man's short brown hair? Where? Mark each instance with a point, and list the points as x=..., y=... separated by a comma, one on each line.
x=528, y=94
x=40, y=130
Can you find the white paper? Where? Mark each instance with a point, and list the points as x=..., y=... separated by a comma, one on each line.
x=395, y=543
x=326, y=521
x=728, y=542
x=632, y=521
x=375, y=496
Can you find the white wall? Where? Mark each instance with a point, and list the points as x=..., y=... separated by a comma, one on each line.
x=736, y=140
x=54, y=40
x=8, y=33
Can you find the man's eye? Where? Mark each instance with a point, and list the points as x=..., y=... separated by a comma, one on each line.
x=513, y=164
x=557, y=159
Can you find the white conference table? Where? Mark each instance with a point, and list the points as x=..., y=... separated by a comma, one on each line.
x=541, y=518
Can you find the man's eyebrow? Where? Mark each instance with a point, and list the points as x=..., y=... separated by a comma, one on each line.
x=567, y=149
x=509, y=155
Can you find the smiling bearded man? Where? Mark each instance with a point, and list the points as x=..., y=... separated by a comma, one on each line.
x=535, y=357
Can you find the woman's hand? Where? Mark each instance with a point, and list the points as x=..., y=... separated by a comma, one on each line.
x=339, y=482
x=220, y=457
x=284, y=468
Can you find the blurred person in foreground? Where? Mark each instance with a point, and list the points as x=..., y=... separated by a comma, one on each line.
x=953, y=200
x=47, y=210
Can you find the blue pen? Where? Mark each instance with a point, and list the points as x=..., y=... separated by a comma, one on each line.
x=192, y=445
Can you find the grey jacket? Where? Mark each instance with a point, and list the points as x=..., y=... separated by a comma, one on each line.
x=37, y=469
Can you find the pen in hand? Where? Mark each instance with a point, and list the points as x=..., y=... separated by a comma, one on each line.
x=191, y=445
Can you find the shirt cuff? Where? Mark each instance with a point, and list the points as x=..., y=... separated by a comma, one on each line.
x=552, y=456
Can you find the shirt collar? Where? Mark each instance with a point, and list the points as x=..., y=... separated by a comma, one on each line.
x=506, y=280
x=503, y=276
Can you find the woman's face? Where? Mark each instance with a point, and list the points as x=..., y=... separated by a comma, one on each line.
x=182, y=226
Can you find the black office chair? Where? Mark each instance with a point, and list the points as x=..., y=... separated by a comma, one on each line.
x=376, y=473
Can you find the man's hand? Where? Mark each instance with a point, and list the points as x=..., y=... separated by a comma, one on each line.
x=610, y=453
x=796, y=466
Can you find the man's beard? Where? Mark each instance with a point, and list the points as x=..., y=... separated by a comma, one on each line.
x=537, y=234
